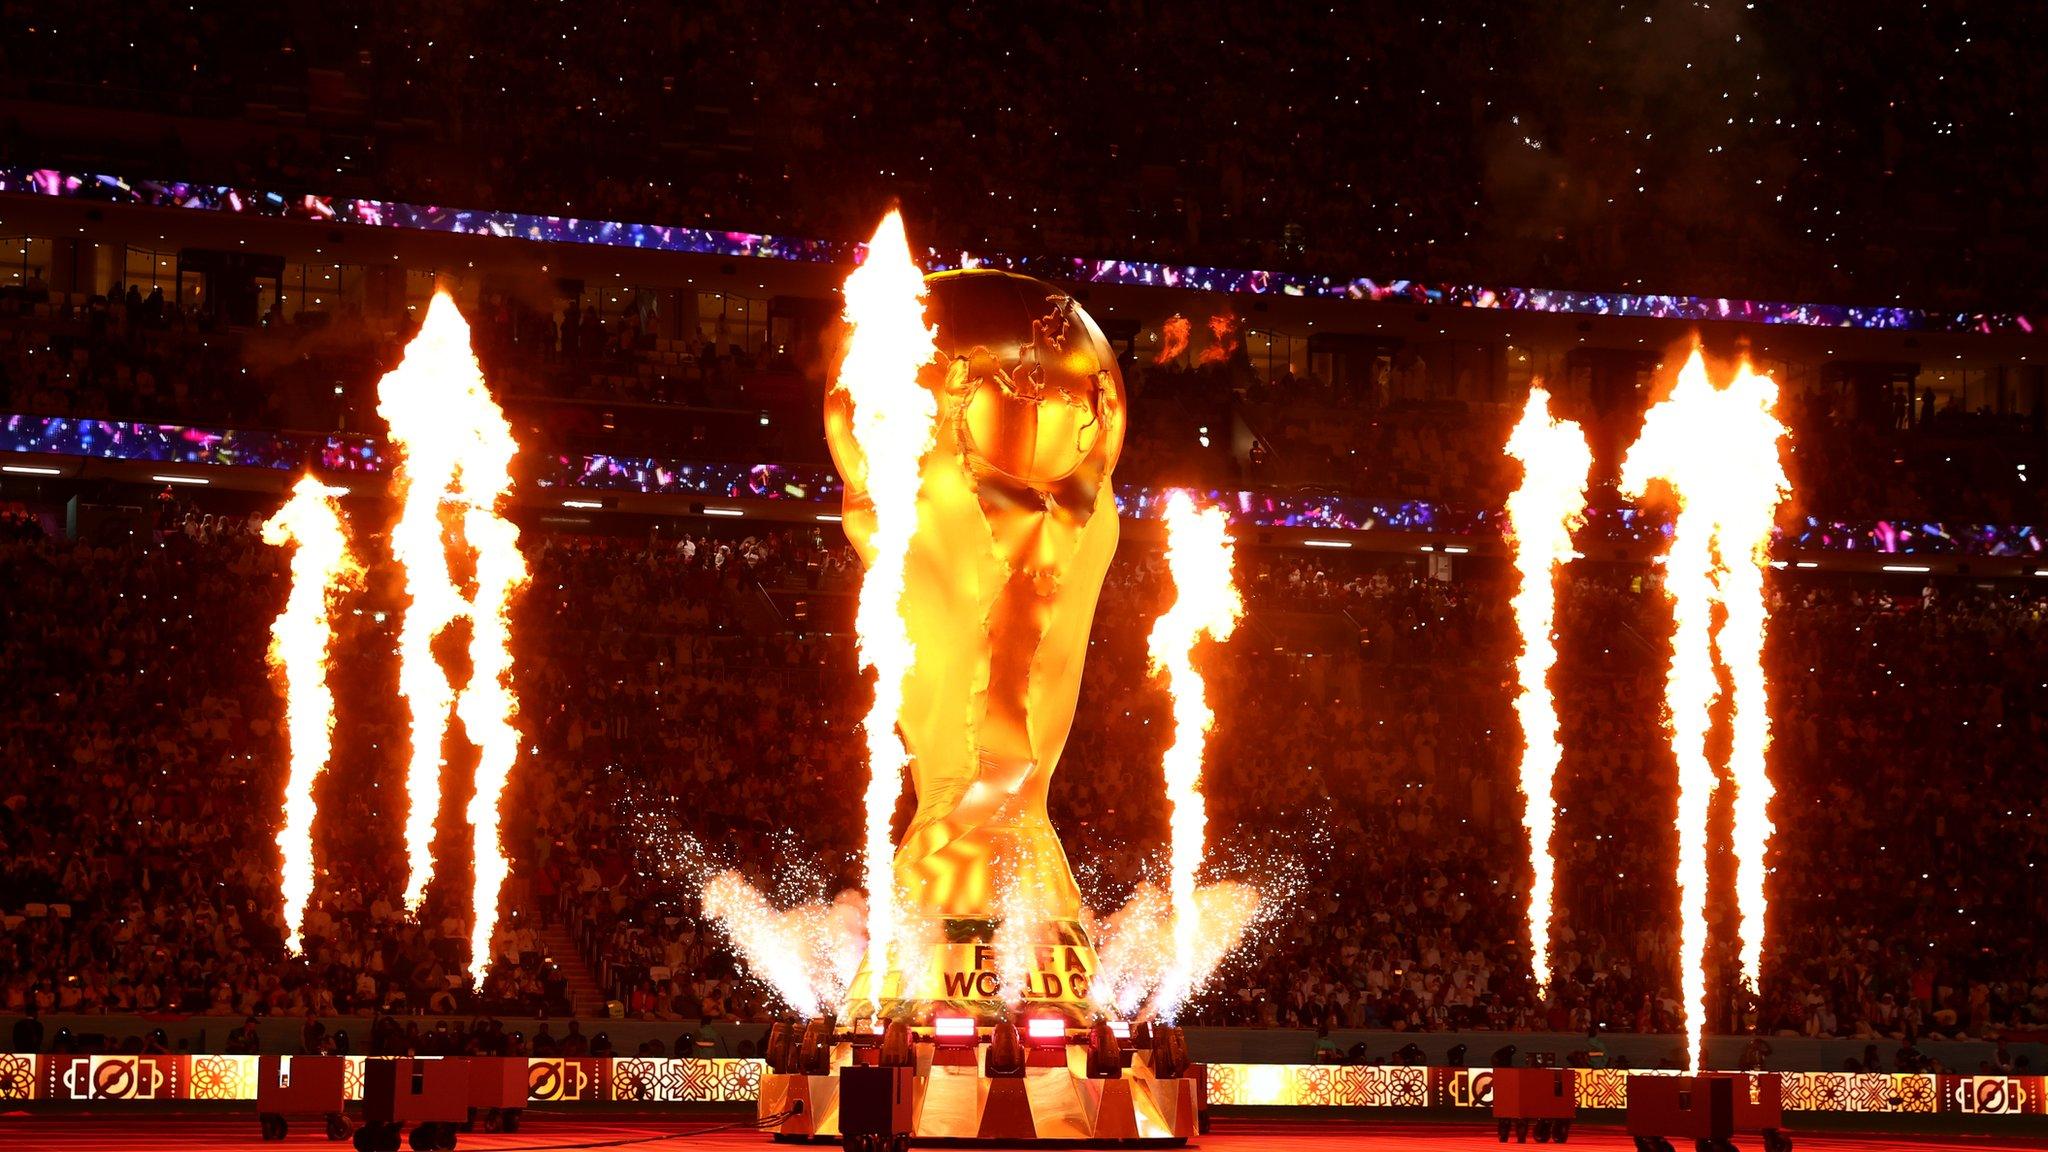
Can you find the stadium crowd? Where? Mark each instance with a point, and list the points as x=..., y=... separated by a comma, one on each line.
x=561, y=373
x=690, y=701
x=1697, y=149
x=673, y=726
x=127, y=355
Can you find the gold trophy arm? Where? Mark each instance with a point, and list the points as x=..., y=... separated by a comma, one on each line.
x=856, y=511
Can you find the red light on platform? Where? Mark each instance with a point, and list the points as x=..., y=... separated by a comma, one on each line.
x=953, y=1028
x=1046, y=1029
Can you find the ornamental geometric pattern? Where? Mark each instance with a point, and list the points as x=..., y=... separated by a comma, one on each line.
x=1407, y=1088
x=1855, y=1092
x=729, y=1080
x=1917, y=1092
x=17, y=1076
x=646, y=1081
x=1315, y=1086
x=1604, y=1088
x=223, y=1077
x=1226, y=1084
x=137, y=1081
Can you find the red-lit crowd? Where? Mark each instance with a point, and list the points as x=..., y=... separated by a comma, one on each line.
x=676, y=723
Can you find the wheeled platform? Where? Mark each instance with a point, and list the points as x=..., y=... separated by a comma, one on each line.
x=1708, y=1109
x=1539, y=1102
x=289, y=1087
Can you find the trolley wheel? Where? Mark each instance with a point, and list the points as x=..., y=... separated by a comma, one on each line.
x=1560, y=1131
x=508, y=1121
x=1521, y=1131
x=490, y=1120
x=1504, y=1127
x=338, y=1126
x=1541, y=1130
x=437, y=1136
x=270, y=1125
x=1664, y=1145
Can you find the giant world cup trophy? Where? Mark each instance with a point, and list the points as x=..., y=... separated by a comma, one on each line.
x=1016, y=527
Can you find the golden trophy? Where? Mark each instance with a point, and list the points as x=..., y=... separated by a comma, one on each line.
x=1016, y=527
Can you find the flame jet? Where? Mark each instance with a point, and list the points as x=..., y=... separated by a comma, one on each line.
x=1543, y=512
x=455, y=452
x=893, y=420
x=487, y=706
x=1718, y=452
x=301, y=641
x=1206, y=602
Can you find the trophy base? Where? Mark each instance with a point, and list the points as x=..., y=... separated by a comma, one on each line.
x=953, y=967
x=948, y=1098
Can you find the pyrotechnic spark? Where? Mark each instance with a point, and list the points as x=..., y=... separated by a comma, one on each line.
x=1718, y=453
x=1198, y=561
x=893, y=422
x=322, y=565
x=455, y=452
x=1542, y=514
x=1174, y=336
x=1131, y=947
x=1132, y=943
x=1240, y=915
x=804, y=945
x=807, y=954
x=1013, y=942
